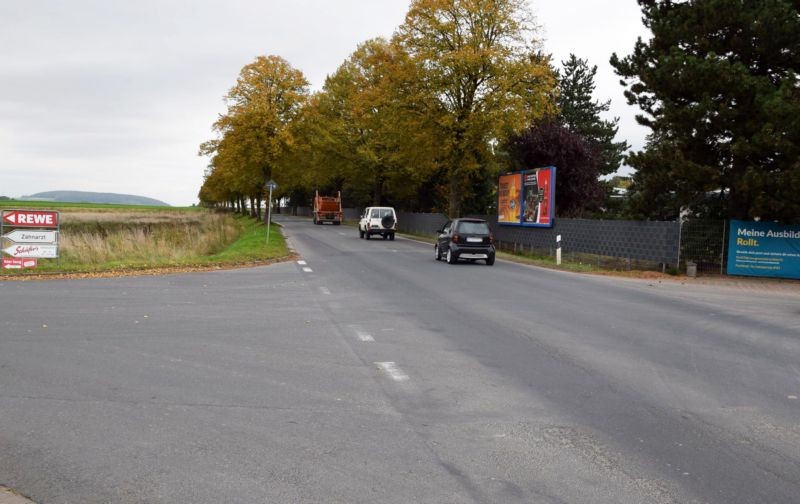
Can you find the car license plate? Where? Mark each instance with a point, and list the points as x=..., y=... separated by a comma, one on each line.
x=475, y=240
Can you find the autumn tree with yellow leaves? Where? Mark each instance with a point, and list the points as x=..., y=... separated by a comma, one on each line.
x=257, y=132
x=477, y=63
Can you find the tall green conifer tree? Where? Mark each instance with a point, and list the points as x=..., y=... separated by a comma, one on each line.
x=718, y=85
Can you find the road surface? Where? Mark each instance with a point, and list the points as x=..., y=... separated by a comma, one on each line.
x=370, y=373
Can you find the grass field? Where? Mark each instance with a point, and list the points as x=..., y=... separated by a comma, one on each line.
x=124, y=238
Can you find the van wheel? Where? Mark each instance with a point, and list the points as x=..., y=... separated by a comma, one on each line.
x=360, y=233
x=391, y=237
x=366, y=235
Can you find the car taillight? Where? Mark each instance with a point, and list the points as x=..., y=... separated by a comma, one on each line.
x=455, y=238
x=491, y=238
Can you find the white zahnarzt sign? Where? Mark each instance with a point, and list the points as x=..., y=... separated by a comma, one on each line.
x=26, y=236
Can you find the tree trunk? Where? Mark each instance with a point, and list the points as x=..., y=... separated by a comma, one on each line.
x=454, y=197
x=377, y=194
x=455, y=184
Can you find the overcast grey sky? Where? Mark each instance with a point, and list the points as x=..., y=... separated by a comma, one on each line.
x=116, y=96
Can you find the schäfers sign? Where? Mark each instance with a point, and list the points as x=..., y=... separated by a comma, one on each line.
x=32, y=250
x=30, y=218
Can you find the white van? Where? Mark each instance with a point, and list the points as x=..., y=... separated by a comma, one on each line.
x=378, y=221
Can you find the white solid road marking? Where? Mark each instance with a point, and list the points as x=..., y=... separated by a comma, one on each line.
x=302, y=263
x=393, y=371
x=308, y=270
x=325, y=291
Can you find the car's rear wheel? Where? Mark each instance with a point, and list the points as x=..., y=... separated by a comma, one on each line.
x=437, y=254
x=451, y=259
x=490, y=260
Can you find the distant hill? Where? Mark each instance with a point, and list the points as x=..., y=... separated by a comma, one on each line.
x=93, y=197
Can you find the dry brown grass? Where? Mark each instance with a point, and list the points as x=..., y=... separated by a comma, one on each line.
x=132, y=216
x=143, y=237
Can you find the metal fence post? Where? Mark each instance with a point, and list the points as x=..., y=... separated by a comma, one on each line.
x=722, y=249
x=680, y=243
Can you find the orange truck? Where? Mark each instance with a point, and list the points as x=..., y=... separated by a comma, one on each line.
x=328, y=208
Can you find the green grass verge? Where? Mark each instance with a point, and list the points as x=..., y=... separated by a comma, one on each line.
x=252, y=244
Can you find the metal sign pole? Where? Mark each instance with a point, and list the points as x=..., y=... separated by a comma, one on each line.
x=269, y=185
x=269, y=212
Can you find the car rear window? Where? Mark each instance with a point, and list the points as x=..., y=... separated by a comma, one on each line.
x=380, y=213
x=473, y=228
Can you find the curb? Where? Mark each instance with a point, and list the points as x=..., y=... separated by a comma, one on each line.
x=8, y=496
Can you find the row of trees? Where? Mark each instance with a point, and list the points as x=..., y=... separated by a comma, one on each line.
x=461, y=93
x=425, y=121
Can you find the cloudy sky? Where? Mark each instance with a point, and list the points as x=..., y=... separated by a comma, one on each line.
x=116, y=96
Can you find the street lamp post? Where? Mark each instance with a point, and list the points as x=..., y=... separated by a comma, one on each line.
x=269, y=185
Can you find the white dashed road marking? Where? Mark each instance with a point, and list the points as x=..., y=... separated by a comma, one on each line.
x=308, y=270
x=361, y=334
x=302, y=263
x=325, y=291
x=394, y=372
x=364, y=336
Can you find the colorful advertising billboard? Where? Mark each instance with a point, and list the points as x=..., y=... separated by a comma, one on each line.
x=527, y=198
x=763, y=249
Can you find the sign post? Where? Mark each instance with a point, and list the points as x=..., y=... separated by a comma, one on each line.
x=33, y=235
x=269, y=185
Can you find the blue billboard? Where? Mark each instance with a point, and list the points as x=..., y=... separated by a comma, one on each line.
x=764, y=249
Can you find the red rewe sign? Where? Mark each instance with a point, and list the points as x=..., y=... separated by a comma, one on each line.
x=30, y=218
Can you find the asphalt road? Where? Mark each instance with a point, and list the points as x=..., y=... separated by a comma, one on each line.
x=374, y=374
